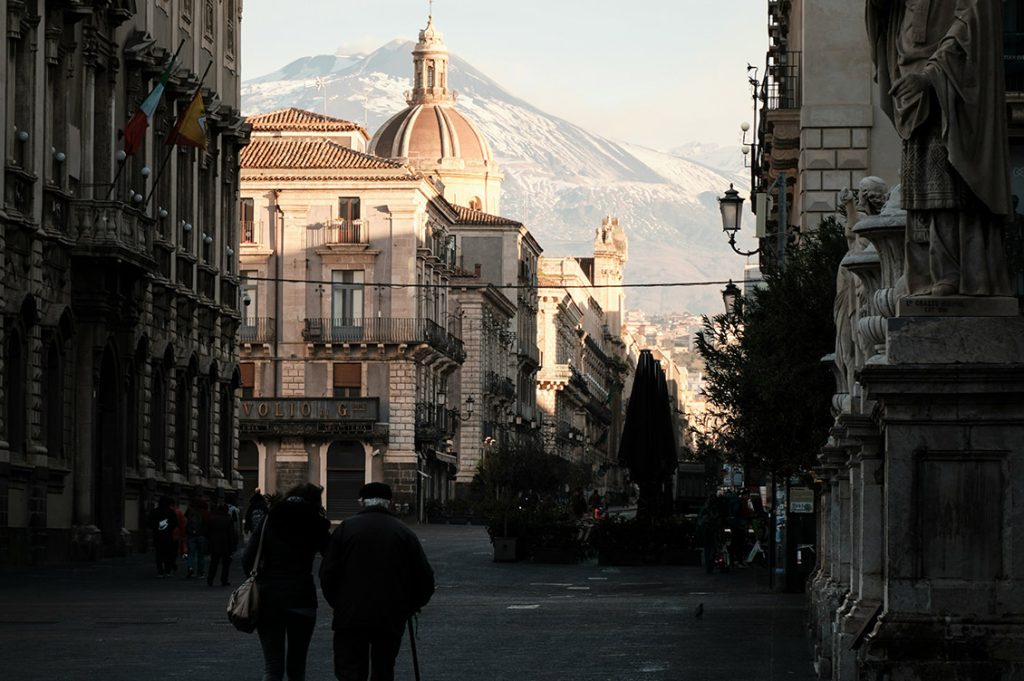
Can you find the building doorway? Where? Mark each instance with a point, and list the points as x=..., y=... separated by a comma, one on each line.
x=346, y=472
x=249, y=469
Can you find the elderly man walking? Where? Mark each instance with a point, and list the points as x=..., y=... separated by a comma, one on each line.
x=375, y=576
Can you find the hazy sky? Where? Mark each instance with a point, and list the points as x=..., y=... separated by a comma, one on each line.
x=654, y=72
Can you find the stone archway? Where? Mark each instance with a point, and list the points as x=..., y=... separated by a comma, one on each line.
x=108, y=486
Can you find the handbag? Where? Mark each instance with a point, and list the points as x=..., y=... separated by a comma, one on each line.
x=244, y=603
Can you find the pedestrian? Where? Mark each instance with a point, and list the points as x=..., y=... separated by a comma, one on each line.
x=296, y=530
x=180, y=538
x=708, y=523
x=231, y=499
x=222, y=540
x=197, y=516
x=255, y=512
x=375, y=576
x=162, y=521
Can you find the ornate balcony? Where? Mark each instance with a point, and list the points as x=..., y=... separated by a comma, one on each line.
x=384, y=330
x=434, y=422
x=112, y=230
x=500, y=386
x=257, y=330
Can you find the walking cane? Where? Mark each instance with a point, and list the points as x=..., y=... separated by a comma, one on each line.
x=412, y=644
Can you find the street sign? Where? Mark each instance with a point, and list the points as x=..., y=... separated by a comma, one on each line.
x=801, y=500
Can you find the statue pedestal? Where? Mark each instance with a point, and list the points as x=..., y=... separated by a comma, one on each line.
x=951, y=406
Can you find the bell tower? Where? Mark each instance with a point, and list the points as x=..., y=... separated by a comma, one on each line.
x=430, y=68
x=610, y=254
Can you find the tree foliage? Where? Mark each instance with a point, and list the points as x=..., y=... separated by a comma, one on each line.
x=768, y=391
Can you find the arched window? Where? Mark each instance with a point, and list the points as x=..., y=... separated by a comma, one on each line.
x=203, y=434
x=53, y=412
x=15, y=391
x=346, y=473
x=227, y=429
x=158, y=420
x=183, y=421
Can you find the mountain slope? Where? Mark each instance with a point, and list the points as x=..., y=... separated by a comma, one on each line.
x=559, y=179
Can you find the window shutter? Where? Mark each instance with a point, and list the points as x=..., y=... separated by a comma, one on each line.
x=248, y=373
x=348, y=375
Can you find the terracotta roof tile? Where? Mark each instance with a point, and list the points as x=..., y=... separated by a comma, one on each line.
x=300, y=120
x=306, y=154
x=471, y=216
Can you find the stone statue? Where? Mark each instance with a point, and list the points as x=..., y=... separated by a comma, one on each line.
x=939, y=67
x=869, y=199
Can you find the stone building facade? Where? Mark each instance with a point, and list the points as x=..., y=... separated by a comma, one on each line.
x=583, y=359
x=346, y=347
x=497, y=308
x=820, y=123
x=119, y=298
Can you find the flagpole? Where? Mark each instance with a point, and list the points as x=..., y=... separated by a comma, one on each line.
x=170, y=150
x=123, y=162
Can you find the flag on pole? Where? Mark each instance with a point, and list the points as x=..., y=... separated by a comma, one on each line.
x=190, y=128
x=135, y=130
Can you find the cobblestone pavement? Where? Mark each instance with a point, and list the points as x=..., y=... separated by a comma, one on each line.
x=116, y=621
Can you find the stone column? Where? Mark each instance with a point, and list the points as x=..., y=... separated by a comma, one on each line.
x=951, y=406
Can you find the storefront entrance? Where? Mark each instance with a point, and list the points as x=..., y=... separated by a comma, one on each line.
x=346, y=472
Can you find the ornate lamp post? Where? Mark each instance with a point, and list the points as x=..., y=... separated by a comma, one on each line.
x=731, y=206
x=730, y=294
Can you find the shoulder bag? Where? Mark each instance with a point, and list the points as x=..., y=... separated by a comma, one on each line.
x=244, y=603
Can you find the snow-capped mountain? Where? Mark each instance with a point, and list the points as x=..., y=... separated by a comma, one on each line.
x=560, y=180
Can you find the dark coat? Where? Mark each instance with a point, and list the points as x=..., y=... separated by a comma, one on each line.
x=160, y=514
x=221, y=535
x=374, y=573
x=296, y=532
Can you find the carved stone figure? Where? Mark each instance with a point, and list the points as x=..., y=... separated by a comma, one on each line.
x=940, y=75
x=869, y=200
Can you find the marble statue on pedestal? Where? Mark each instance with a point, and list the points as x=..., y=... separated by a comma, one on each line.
x=940, y=75
x=869, y=199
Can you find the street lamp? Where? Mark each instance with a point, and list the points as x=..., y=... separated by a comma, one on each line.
x=731, y=206
x=730, y=294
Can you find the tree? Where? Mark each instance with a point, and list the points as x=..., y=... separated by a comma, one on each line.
x=765, y=381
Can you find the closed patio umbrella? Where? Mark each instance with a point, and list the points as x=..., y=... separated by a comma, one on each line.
x=648, y=446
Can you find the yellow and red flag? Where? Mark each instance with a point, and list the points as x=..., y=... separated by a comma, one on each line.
x=190, y=128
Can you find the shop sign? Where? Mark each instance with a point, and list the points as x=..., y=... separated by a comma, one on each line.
x=801, y=500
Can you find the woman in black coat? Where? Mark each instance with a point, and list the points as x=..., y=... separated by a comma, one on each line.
x=296, y=530
x=222, y=540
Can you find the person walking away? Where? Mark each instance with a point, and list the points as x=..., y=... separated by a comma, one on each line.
x=163, y=521
x=255, y=512
x=222, y=540
x=231, y=499
x=375, y=576
x=296, y=530
x=197, y=516
x=180, y=538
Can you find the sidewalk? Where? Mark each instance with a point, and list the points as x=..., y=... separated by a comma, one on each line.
x=115, y=620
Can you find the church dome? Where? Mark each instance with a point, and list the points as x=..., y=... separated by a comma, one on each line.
x=430, y=133
x=431, y=130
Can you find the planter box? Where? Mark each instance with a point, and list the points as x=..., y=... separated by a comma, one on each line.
x=504, y=549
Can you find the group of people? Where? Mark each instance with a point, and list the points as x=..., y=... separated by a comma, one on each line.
x=374, y=575
x=193, y=533
x=724, y=526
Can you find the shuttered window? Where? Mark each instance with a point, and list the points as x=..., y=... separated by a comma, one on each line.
x=348, y=379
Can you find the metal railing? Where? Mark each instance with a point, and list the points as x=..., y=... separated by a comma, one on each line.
x=500, y=386
x=383, y=330
x=257, y=330
x=781, y=89
x=336, y=233
x=434, y=422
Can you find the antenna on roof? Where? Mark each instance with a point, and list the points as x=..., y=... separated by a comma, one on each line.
x=321, y=84
x=431, y=11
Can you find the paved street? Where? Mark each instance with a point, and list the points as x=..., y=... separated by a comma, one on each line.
x=116, y=621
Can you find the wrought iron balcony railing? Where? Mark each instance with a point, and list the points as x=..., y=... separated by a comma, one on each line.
x=500, y=386
x=257, y=330
x=384, y=330
x=781, y=89
x=434, y=422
